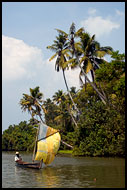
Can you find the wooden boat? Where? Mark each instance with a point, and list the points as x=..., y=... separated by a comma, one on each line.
x=46, y=147
x=28, y=164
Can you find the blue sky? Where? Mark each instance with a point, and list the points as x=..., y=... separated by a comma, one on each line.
x=29, y=27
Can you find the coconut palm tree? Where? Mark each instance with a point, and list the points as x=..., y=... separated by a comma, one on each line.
x=62, y=53
x=76, y=51
x=58, y=97
x=64, y=111
x=33, y=102
x=92, y=56
x=64, y=100
x=92, y=53
x=87, y=54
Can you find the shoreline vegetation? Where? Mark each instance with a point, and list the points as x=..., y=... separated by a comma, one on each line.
x=67, y=153
x=91, y=119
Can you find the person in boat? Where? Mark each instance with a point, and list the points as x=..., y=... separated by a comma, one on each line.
x=17, y=157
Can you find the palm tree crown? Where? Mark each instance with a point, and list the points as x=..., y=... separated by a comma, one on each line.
x=32, y=102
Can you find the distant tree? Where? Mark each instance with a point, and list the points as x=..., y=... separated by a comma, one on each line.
x=58, y=96
x=20, y=137
x=33, y=102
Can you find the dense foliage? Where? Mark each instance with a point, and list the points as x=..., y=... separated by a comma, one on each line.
x=19, y=137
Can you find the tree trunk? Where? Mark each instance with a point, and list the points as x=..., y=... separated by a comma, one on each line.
x=72, y=117
x=69, y=91
x=102, y=91
x=67, y=144
x=100, y=95
x=40, y=117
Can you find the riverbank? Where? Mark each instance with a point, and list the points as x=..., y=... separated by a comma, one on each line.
x=65, y=152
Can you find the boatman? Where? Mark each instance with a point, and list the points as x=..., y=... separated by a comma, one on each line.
x=17, y=157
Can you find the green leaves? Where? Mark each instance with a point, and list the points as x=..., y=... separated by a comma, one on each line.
x=19, y=137
x=33, y=102
x=62, y=32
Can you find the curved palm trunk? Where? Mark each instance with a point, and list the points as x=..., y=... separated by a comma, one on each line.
x=40, y=117
x=102, y=91
x=94, y=87
x=69, y=91
x=100, y=95
x=93, y=78
x=72, y=117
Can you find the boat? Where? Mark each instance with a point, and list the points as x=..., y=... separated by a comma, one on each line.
x=47, y=143
x=28, y=164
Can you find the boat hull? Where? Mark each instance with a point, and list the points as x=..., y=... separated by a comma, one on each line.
x=28, y=164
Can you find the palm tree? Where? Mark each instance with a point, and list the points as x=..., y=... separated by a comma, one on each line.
x=64, y=112
x=33, y=102
x=92, y=55
x=58, y=97
x=76, y=51
x=63, y=101
x=60, y=47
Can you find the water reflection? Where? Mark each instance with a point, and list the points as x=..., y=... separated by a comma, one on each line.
x=46, y=177
x=68, y=176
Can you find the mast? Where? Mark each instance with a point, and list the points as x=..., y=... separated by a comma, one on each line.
x=35, y=144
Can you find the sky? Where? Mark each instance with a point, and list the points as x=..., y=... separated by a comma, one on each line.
x=29, y=27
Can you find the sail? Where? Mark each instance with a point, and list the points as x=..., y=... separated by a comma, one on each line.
x=48, y=143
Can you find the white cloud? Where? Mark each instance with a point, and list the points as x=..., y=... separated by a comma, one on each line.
x=19, y=59
x=99, y=26
x=92, y=11
x=72, y=77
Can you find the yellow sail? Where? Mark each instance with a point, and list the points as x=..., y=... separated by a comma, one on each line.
x=48, y=144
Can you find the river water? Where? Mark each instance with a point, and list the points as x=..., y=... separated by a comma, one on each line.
x=64, y=172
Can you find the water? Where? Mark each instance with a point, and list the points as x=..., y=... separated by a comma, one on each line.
x=64, y=172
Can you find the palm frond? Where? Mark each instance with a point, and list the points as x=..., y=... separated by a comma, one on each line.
x=61, y=32
x=78, y=47
x=79, y=32
x=74, y=65
x=58, y=118
x=89, y=67
x=52, y=48
x=100, y=53
x=84, y=58
x=93, y=37
x=53, y=57
x=70, y=61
